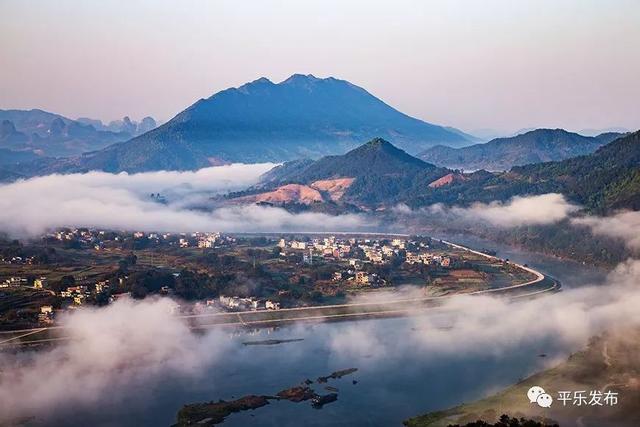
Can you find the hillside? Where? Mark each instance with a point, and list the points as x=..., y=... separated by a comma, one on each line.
x=8, y=157
x=301, y=117
x=374, y=174
x=383, y=176
x=605, y=180
x=607, y=363
x=541, y=145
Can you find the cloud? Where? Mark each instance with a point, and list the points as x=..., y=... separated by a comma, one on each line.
x=260, y=218
x=130, y=345
x=487, y=324
x=122, y=201
x=623, y=225
x=110, y=349
x=519, y=210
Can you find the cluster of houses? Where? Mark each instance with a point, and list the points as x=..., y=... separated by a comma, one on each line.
x=429, y=259
x=251, y=303
x=101, y=239
x=358, y=277
x=224, y=302
x=77, y=293
x=204, y=240
x=75, y=234
x=14, y=281
x=375, y=251
x=17, y=260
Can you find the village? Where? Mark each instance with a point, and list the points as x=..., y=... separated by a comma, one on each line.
x=71, y=269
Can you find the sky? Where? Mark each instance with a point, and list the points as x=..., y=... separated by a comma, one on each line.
x=493, y=64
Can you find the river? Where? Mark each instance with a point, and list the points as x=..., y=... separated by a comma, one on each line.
x=395, y=379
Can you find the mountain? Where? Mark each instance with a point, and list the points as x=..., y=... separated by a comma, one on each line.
x=603, y=181
x=301, y=117
x=126, y=125
x=606, y=180
x=540, y=145
x=53, y=135
x=372, y=175
x=378, y=175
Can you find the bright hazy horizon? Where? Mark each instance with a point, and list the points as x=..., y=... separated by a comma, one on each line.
x=499, y=65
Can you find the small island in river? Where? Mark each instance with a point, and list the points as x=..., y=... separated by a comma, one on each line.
x=209, y=414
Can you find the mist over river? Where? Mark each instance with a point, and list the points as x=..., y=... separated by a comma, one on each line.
x=396, y=378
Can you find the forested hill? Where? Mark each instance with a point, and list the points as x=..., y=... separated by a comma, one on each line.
x=375, y=158
x=605, y=180
x=383, y=175
x=602, y=182
x=501, y=154
x=376, y=173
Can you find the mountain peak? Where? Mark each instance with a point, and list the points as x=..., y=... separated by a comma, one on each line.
x=262, y=82
x=548, y=131
x=379, y=145
x=381, y=152
x=301, y=78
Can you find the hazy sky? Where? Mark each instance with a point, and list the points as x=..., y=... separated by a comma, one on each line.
x=470, y=64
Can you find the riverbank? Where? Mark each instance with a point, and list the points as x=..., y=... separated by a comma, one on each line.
x=608, y=364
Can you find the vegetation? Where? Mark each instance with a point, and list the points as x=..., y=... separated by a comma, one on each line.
x=384, y=174
x=536, y=146
x=604, y=181
x=212, y=413
x=507, y=421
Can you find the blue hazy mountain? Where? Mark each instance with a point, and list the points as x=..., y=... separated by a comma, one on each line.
x=48, y=134
x=301, y=117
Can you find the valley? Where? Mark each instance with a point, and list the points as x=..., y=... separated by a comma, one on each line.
x=322, y=213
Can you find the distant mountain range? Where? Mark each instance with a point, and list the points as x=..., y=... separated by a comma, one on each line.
x=378, y=175
x=125, y=124
x=303, y=116
x=606, y=180
x=51, y=135
x=536, y=146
